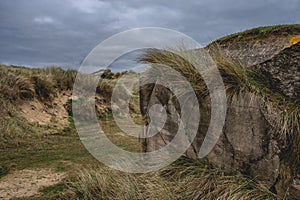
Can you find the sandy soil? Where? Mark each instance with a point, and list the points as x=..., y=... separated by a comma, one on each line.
x=55, y=115
x=26, y=183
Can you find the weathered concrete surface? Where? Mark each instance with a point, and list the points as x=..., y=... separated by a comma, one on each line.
x=283, y=71
x=247, y=144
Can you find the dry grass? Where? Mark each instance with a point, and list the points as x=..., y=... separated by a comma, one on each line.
x=285, y=111
x=14, y=132
x=19, y=85
x=13, y=128
x=15, y=87
x=185, y=179
x=63, y=79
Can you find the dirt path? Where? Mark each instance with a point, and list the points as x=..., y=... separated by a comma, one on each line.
x=26, y=183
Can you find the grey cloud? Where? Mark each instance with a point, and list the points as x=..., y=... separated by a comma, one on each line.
x=43, y=20
x=47, y=32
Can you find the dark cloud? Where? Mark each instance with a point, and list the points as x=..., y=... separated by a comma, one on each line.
x=40, y=33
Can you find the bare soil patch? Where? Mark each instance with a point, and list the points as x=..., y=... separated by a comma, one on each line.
x=54, y=114
x=28, y=182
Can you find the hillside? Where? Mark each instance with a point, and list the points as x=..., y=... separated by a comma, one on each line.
x=42, y=156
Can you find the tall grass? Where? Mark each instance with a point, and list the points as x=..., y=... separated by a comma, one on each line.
x=62, y=79
x=18, y=85
x=284, y=111
x=185, y=179
x=15, y=87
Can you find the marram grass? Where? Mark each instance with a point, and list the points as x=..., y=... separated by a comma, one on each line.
x=184, y=179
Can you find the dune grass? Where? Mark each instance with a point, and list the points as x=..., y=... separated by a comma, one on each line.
x=184, y=179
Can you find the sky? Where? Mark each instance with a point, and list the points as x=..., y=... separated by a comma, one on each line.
x=40, y=33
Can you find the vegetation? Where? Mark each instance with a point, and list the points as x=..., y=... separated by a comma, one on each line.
x=260, y=33
x=184, y=179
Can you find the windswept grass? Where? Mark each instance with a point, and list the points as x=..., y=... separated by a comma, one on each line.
x=63, y=79
x=15, y=87
x=18, y=85
x=185, y=179
x=285, y=111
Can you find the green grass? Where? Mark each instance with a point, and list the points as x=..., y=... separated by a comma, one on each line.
x=116, y=135
x=44, y=151
x=63, y=152
x=259, y=33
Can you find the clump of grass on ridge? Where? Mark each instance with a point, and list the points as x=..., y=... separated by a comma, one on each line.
x=19, y=83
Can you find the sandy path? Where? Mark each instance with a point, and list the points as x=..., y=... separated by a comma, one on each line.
x=26, y=183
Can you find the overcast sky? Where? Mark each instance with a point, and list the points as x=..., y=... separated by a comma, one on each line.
x=40, y=33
